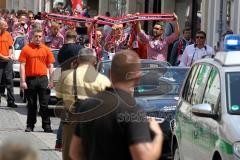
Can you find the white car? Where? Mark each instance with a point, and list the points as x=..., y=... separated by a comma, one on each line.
x=208, y=110
x=56, y=73
x=17, y=47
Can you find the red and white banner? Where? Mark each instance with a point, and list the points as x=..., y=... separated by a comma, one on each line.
x=79, y=19
x=111, y=21
x=134, y=18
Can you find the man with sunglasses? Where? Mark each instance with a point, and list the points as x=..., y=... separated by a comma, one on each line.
x=30, y=20
x=196, y=51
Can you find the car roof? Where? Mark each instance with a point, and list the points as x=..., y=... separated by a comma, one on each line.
x=143, y=61
x=223, y=59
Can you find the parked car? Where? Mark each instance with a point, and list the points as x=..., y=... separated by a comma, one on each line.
x=157, y=93
x=56, y=73
x=17, y=47
x=208, y=110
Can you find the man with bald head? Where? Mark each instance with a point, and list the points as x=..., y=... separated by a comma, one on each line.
x=112, y=125
x=6, y=63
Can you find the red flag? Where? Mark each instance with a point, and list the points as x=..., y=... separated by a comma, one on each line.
x=77, y=5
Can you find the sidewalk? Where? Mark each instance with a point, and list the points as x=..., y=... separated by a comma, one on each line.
x=13, y=123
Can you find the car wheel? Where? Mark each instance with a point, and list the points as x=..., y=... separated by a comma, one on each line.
x=176, y=155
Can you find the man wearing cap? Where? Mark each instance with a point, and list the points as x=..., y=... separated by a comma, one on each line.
x=88, y=82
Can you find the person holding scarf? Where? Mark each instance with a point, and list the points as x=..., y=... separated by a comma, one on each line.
x=157, y=44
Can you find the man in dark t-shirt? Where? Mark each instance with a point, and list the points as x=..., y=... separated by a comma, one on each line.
x=69, y=50
x=111, y=125
x=66, y=57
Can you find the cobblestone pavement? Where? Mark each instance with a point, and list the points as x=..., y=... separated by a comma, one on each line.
x=13, y=123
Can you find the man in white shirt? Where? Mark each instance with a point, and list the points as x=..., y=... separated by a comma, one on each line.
x=196, y=51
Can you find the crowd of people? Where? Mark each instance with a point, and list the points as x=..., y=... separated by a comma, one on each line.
x=80, y=86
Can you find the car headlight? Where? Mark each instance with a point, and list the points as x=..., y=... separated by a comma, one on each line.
x=236, y=148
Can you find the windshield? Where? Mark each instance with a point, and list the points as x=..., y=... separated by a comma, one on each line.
x=161, y=81
x=104, y=67
x=233, y=87
x=158, y=78
x=19, y=43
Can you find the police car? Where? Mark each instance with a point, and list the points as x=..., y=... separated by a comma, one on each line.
x=208, y=111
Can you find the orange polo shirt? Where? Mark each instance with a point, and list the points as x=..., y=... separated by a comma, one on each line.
x=37, y=58
x=6, y=41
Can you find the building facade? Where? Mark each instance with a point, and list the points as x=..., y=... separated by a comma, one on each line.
x=34, y=5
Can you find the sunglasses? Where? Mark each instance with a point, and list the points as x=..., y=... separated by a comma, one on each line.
x=200, y=37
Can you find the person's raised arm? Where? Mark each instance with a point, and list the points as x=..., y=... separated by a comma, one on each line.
x=138, y=25
x=177, y=28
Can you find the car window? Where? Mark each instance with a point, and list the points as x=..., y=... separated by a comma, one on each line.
x=19, y=43
x=200, y=84
x=188, y=85
x=212, y=90
x=233, y=92
x=160, y=81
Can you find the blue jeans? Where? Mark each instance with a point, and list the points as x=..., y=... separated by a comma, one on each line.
x=59, y=134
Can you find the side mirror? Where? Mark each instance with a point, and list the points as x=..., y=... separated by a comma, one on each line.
x=204, y=110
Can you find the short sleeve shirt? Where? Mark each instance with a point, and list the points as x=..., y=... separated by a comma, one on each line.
x=193, y=53
x=89, y=82
x=37, y=58
x=6, y=41
x=113, y=122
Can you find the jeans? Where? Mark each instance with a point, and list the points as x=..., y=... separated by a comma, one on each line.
x=37, y=88
x=59, y=134
x=6, y=73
